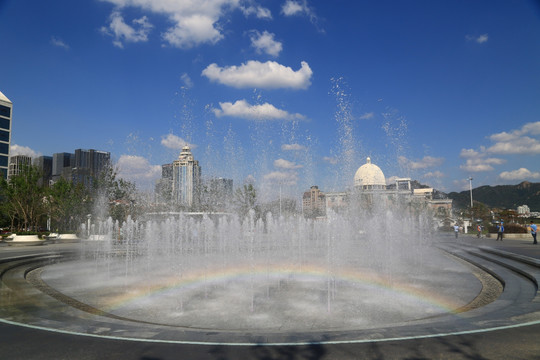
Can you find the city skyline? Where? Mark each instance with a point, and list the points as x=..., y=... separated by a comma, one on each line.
x=287, y=94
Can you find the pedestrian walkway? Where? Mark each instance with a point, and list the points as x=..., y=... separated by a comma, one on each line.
x=524, y=247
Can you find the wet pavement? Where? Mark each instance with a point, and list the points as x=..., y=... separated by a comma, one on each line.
x=516, y=341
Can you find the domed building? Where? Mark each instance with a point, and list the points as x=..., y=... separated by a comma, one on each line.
x=369, y=177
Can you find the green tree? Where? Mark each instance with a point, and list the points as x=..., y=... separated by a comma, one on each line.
x=245, y=199
x=7, y=210
x=68, y=205
x=115, y=195
x=24, y=199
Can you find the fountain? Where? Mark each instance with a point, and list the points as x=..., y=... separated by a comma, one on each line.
x=278, y=274
x=370, y=265
x=373, y=271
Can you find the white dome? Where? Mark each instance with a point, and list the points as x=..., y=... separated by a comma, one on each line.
x=369, y=176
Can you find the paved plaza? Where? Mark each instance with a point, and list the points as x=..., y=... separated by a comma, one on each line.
x=515, y=332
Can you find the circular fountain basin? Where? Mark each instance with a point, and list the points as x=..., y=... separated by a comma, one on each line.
x=267, y=297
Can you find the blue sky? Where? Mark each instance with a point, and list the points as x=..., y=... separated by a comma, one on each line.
x=288, y=93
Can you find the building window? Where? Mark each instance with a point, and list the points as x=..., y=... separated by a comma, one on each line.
x=4, y=148
x=3, y=160
x=5, y=111
x=4, y=123
x=4, y=136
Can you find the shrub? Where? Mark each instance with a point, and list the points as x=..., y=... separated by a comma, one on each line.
x=510, y=229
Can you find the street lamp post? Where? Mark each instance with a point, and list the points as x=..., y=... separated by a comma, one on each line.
x=470, y=188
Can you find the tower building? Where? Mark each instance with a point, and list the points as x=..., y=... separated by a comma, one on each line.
x=6, y=107
x=61, y=166
x=80, y=167
x=44, y=164
x=89, y=164
x=186, y=176
x=17, y=163
x=314, y=202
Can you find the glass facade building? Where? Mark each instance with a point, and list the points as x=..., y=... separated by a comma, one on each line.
x=186, y=179
x=44, y=164
x=61, y=166
x=80, y=167
x=88, y=164
x=6, y=110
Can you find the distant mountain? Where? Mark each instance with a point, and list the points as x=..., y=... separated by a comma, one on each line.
x=501, y=196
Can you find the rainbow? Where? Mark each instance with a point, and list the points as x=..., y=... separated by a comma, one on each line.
x=360, y=276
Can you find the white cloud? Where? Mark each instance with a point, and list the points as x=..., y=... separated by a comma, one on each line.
x=434, y=174
x=122, y=32
x=194, y=22
x=59, y=43
x=186, y=80
x=259, y=11
x=520, y=174
x=367, y=116
x=504, y=136
x=300, y=8
x=254, y=74
x=469, y=153
x=265, y=43
x=291, y=7
x=530, y=128
x=330, y=160
x=192, y=30
x=138, y=170
x=292, y=147
x=480, y=39
x=283, y=177
x=522, y=146
x=505, y=143
x=520, y=141
x=23, y=150
x=174, y=142
x=425, y=162
x=242, y=109
x=285, y=164
x=476, y=167
x=481, y=163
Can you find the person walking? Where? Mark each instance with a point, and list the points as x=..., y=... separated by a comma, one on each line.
x=456, y=230
x=533, y=231
x=479, y=230
x=500, y=231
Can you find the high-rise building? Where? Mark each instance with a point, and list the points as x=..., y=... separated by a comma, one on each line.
x=186, y=176
x=314, y=202
x=164, y=185
x=62, y=165
x=80, y=167
x=88, y=164
x=44, y=164
x=17, y=163
x=6, y=107
x=167, y=171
